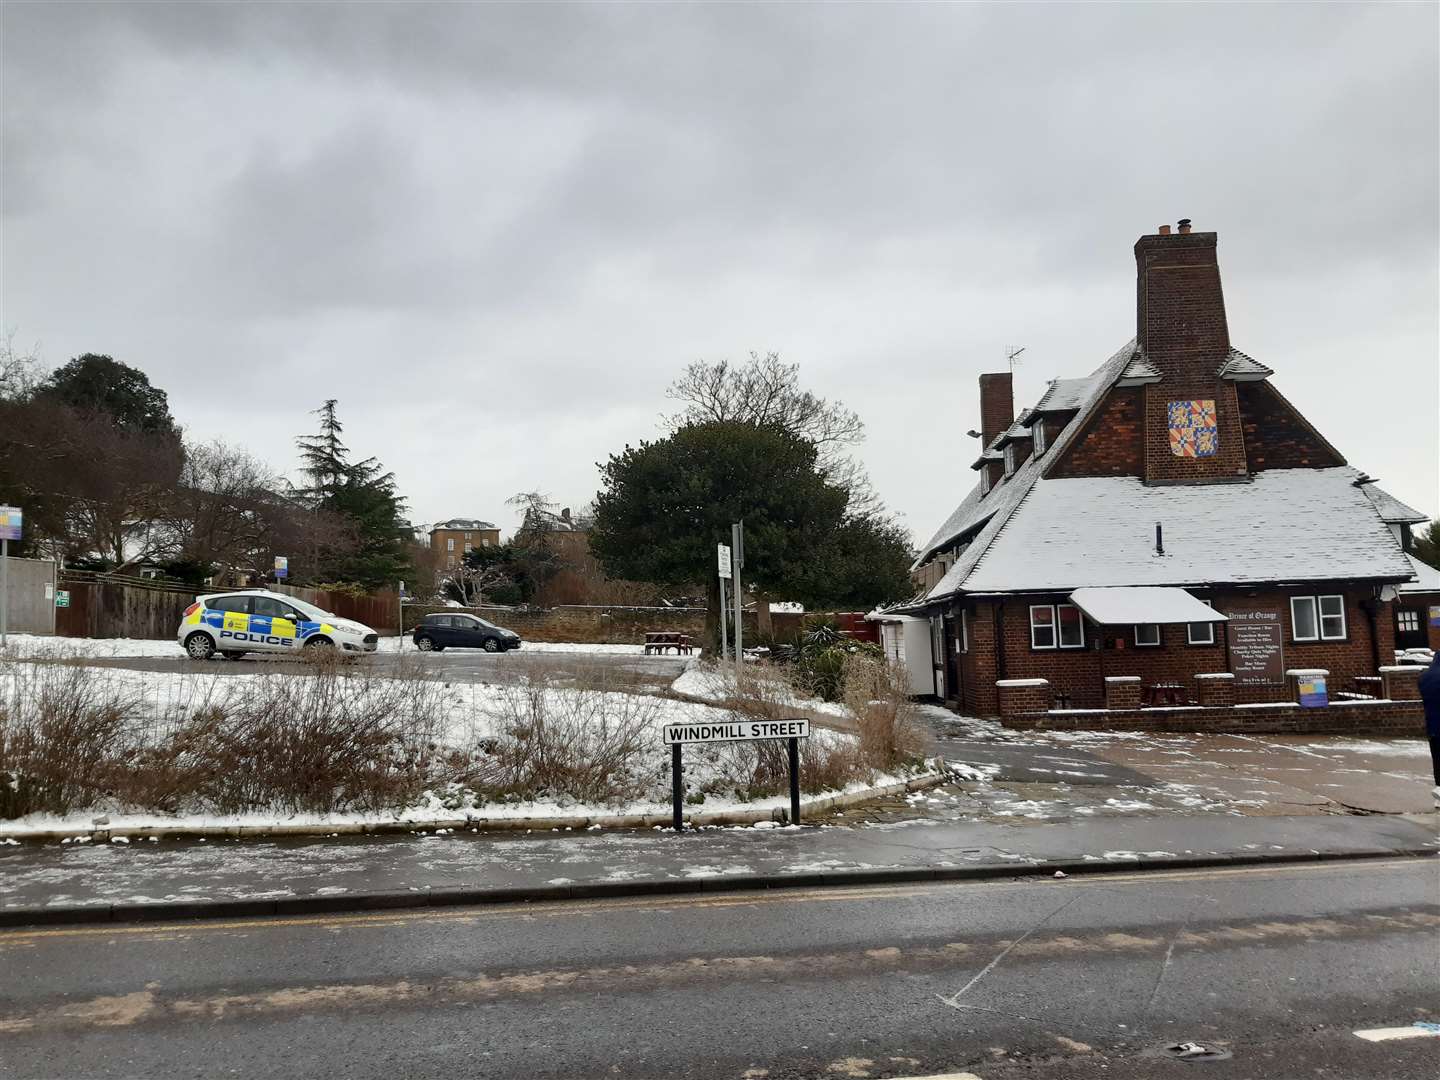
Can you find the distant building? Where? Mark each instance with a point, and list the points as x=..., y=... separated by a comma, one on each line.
x=450, y=540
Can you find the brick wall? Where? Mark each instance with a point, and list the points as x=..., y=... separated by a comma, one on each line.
x=1276, y=435
x=1021, y=696
x=1112, y=444
x=1360, y=718
x=1079, y=674
x=997, y=404
x=1179, y=303
x=1162, y=465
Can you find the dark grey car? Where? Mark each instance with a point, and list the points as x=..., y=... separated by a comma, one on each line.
x=459, y=631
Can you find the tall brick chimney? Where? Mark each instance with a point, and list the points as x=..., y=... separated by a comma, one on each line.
x=997, y=405
x=1192, y=416
x=1179, y=304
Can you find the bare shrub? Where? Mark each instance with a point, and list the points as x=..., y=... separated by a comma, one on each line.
x=338, y=739
x=761, y=691
x=878, y=699
x=579, y=742
x=65, y=735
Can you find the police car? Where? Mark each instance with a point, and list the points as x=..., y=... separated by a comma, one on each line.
x=257, y=620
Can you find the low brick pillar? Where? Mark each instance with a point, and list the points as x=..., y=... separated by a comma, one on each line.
x=1020, y=696
x=1400, y=682
x=1295, y=676
x=1122, y=691
x=1215, y=690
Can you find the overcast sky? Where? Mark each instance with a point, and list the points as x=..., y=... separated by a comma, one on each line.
x=496, y=233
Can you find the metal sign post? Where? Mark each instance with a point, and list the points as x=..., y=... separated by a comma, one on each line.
x=676, y=735
x=723, y=556
x=10, y=522
x=737, y=543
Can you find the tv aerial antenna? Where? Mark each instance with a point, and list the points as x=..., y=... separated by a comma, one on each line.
x=1012, y=356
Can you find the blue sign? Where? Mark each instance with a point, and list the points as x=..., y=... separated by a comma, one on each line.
x=1313, y=694
x=10, y=517
x=282, y=567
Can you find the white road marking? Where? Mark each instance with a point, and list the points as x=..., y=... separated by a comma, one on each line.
x=1417, y=1030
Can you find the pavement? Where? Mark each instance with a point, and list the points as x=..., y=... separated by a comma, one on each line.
x=1269, y=972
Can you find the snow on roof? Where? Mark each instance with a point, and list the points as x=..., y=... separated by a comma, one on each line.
x=1111, y=606
x=1140, y=370
x=1061, y=396
x=1392, y=509
x=1242, y=368
x=976, y=508
x=462, y=523
x=1283, y=525
x=1427, y=578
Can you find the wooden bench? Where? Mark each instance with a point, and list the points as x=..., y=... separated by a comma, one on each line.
x=657, y=641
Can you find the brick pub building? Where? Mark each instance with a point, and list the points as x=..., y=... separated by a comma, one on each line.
x=1166, y=530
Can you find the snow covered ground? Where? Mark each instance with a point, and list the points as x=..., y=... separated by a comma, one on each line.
x=464, y=714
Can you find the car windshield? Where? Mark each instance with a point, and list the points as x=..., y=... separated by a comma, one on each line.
x=310, y=611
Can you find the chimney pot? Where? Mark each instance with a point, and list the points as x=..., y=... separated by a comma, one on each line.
x=1184, y=225
x=1164, y=230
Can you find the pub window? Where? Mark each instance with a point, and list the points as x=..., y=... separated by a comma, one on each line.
x=1072, y=626
x=964, y=632
x=984, y=481
x=1317, y=618
x=1147, y=634
x=1042, y=626
x=1038, y=432
x=1200, y=633
x=1407, y=622
x=1009, y=459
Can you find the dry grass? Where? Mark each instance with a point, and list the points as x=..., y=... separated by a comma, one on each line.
x=877, y=697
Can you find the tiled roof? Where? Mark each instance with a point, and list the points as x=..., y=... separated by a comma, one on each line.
x=1427, y=578
x=1237, y=365
x=1062, y=395
x=1140, y=370
x=1284, y=525
x=1392, y=509
x=462, y=523
x=974, y=510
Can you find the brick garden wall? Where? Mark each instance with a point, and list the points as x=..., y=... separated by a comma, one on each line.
x=1360, y=718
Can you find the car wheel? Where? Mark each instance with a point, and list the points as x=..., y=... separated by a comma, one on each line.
x=424, y=644
x=199, y=646
x=491, y=645
x=319, y=643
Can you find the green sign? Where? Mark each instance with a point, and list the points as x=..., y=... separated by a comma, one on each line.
x=62, y=598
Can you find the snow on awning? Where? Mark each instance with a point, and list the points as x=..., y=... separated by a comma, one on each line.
x=1120, y=605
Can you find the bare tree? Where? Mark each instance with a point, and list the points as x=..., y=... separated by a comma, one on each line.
x=19, y=370
x=220, y=513
x=468, y=583
x=766, y=391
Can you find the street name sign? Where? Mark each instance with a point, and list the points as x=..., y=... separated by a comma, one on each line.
x=736, y=731
x=722, y=552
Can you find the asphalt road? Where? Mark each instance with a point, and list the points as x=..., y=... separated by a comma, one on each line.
x=460, y=665
x=1077, y=978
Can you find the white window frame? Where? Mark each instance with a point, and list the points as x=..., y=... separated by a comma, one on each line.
x=1340, y=614
x=1038, y=434
x=1079, y=621
x=1159, y=636
x=1318, y=616
x=1054, y=627
x=1404, y=616
x=964, y=632
x=450, y=543
x=1209, y=627
x=1010, y=459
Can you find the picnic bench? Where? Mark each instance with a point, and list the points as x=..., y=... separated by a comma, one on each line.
x=661, y=641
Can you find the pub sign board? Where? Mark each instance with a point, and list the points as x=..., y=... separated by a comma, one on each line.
x=736, y=731
x=1257, y=650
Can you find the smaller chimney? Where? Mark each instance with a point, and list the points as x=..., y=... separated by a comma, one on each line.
x=997, y=405
x=1164, y=230
x=1159, y=539
x=1184, y=225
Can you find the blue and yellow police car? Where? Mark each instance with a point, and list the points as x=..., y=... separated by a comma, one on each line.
x=258, y=620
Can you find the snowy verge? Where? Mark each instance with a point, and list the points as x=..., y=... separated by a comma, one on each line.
x=717, y=685
x=433, y=817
